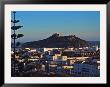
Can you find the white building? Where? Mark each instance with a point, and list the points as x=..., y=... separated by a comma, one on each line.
x=46, y=49
x=60, y=58
x=95, y=48
x=85, y=69
x=32, y=50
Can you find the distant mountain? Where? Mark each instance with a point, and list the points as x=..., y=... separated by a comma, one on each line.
x=57, y=41
x=93, y=43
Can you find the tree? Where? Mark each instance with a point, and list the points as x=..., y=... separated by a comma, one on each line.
x=18, y=44
x=15, y=36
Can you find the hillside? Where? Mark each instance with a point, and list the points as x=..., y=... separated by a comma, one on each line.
x=57, y=41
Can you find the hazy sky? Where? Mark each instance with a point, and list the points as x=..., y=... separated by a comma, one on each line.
x=39, y=25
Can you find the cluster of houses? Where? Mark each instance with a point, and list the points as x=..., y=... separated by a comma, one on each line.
x=75, y=62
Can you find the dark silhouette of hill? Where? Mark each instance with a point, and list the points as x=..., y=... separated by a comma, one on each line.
x=57, y=41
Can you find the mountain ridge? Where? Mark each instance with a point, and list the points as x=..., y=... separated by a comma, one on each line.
x=58, y=41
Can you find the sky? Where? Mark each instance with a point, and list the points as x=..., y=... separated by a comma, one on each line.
x=38, y=25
